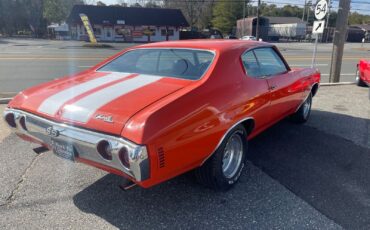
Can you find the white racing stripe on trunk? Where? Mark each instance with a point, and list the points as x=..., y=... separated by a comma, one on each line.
x=82, y=110
x=52, y=104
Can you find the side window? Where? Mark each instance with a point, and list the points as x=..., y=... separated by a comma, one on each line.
x=269, y=61
x=250, y=64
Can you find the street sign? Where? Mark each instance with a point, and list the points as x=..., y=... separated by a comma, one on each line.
x=321, y=9
x=318, y=27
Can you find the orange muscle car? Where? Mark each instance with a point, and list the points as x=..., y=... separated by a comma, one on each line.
x=158, y=110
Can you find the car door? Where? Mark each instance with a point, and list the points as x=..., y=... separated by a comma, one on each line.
x=256, y=87
x=284, y=86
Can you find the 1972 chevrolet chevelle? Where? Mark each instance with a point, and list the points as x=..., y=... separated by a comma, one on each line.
x=158, y=110
x=363, y=73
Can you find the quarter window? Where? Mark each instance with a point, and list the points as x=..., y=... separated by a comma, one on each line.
x=269, y=62
x=250, y=64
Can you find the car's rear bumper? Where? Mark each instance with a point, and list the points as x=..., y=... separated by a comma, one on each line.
x=35, y=128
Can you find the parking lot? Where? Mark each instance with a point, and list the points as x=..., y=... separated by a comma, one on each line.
x=312, y=176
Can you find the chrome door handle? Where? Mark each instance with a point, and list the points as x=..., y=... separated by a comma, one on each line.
x=272, y=87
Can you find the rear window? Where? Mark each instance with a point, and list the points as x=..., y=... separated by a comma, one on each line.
x=178, y=63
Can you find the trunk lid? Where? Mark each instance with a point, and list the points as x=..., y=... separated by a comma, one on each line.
x=96, y=100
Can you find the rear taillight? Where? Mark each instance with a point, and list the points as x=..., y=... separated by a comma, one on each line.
x=123, y=157
x=104, y=149
x=10, y=119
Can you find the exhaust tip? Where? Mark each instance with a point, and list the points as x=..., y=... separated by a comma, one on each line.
x=22, y=122
x=10, y=119
x=123, y=157
x=104, y=149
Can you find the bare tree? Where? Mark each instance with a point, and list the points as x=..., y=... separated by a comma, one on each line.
x=198, y=13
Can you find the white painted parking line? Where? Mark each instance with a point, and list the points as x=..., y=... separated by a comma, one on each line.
x=309, y=65
x=14, y=52
x=342, y=74
x=83, y=66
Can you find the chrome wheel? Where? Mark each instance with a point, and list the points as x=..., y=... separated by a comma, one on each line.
x=357, y=76
x=233, y=155
x=306, y=107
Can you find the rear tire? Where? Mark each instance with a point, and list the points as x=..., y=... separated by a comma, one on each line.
x=303, y=113
x=359, y=82
x=223, y=169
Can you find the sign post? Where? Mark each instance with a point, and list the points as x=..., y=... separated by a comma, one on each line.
x=321, y=9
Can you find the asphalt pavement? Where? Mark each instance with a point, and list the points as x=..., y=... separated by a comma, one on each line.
x=24, y=63
x=311, y=176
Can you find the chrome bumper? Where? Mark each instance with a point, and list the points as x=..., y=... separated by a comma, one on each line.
x=85, y=142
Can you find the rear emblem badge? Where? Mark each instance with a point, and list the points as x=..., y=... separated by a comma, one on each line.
x=104, y=118
x=50, y=131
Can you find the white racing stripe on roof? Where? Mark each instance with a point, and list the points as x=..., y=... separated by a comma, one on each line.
x=52, y=104
x=82, y=110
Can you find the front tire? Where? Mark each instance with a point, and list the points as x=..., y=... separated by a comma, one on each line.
x=303, y=113
x=223, y=169
x=359, y=82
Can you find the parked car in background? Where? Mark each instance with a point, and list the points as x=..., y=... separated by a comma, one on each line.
x=250, y=38
x=158, y=110
x=363, y=73
x=231, y=37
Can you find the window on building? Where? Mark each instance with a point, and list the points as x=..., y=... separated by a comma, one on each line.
x=168, y=32
x=97, y=31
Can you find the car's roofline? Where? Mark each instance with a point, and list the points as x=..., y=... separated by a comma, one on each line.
x=206, y=44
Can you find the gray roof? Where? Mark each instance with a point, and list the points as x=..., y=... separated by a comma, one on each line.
x=362, y=26
x=284, y=20
x=131, y=15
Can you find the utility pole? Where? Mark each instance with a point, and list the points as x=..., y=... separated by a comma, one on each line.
x=258, y=21
x=328, y=17
x=340, y=35
x=309, y=4
x=327, y=21
x=304, y=9
x=243, y=26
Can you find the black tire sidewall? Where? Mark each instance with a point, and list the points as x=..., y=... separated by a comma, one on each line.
x=309, y=111
x=223, y=182
x=357, y=78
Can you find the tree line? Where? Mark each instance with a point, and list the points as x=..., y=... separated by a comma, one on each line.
x=17, y=16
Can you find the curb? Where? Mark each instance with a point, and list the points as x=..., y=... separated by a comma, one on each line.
x=5, y=100
x=337, y=83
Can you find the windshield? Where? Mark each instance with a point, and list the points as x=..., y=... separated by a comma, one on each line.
x=178, y=63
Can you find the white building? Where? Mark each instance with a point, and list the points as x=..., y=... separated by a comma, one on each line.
x=129, y=24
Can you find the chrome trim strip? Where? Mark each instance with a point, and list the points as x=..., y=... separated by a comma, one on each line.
x=85, y=142
x=52, y=104
x=83, y=109
x=225, y=134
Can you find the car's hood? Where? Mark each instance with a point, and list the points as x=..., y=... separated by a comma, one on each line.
x=96, y=100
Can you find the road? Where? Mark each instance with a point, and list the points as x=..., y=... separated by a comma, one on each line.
x=24, y=63
x=311, y=176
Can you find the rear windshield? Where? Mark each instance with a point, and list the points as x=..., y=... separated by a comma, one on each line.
x=178, y=63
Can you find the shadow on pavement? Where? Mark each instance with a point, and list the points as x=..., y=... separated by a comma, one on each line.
x=328, y=172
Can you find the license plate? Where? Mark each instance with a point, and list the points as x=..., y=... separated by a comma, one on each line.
x=63, y=149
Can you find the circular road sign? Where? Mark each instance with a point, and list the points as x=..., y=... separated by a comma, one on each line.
x=321, y=9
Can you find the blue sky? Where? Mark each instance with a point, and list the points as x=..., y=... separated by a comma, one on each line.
x=363, y=6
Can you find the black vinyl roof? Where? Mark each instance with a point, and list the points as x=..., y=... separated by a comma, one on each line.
x=133, y=16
